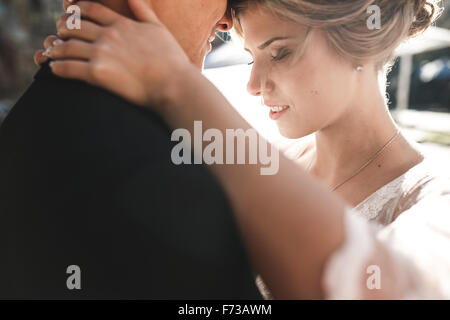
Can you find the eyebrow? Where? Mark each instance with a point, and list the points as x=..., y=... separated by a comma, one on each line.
x=269, y=42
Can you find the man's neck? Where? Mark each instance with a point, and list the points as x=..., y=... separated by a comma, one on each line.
x=120, y=6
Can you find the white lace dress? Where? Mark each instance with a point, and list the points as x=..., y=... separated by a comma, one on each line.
x=410, y=254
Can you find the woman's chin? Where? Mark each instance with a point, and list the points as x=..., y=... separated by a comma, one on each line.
x=290, y=133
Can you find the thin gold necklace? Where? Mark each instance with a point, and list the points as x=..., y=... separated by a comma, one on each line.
x=366, y=164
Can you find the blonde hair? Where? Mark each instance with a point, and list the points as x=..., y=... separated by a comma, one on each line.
x=344, y=23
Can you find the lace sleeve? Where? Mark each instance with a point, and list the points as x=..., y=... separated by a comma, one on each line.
x=409, y=259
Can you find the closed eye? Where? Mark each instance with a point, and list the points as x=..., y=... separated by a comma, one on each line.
x=282, y=53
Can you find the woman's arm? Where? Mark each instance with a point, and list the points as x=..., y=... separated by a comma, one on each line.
x=290, y=223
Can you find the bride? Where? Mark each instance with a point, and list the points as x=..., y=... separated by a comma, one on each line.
x=370, y=201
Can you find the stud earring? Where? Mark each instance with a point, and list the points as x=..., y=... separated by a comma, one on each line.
x=359, y=68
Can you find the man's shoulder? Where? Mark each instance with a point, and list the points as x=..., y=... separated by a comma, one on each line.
x=52, y=102
x=84, y=98
x=72, y=118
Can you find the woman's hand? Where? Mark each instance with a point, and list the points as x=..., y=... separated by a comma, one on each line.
x=138, y=60
x=41, y=57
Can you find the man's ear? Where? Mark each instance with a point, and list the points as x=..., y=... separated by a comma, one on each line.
x=226, y=23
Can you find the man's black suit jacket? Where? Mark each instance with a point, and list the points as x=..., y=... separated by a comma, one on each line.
x=86, y=180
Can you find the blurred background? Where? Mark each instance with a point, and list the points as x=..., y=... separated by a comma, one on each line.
x=419, y=84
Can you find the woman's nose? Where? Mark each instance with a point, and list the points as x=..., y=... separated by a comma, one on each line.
x=253, y=88
x=257, y=85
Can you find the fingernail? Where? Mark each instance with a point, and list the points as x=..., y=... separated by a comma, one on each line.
x=51, y=64
x=57, y=42
x=47, y=52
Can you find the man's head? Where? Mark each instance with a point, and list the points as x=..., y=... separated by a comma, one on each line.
x=192, y=22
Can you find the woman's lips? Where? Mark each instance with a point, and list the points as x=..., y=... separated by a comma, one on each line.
x=276, y=112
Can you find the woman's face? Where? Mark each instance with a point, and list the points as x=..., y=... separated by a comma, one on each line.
x=313, y=91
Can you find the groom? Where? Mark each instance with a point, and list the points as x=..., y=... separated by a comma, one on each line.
x=91, y=205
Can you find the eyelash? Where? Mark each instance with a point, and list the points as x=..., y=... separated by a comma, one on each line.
x=282, y=53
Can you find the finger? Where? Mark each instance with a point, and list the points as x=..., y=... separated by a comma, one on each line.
x=89, y=31
x=71, y=69
x=39, y=59
x=98, y=13
x=72, y=50
x=48, y=42
x=68, y=3
x=142, y=11
x=62, y=20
